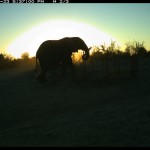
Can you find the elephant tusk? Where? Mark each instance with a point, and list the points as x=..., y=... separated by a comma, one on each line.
x=89, y=48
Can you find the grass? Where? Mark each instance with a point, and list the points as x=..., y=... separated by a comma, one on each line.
x=89, y=113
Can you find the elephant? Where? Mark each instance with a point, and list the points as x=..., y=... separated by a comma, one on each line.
x=52, y=53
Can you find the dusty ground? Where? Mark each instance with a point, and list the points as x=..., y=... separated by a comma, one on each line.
x=91, y=112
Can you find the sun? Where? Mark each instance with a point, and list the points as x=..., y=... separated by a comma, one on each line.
x=53, y=30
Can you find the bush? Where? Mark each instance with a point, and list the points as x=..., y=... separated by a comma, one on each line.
x=136, y=48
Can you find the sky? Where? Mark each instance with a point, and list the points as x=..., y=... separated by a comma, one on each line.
x=124, y=21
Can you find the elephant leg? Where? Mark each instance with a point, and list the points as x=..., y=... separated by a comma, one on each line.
x=54, y=74
x=71, y=67
x=42, y=75
x=67, y=64
x=72, y=70
x=64, y=70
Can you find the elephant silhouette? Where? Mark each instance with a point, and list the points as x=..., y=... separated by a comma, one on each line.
x=52, y=53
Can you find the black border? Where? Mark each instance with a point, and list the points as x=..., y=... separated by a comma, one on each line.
x=73, y=1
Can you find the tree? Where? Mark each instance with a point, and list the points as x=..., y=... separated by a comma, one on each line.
x=25, y=56
x=1, y=57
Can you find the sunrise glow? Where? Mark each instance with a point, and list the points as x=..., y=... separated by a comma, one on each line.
x=53, y=30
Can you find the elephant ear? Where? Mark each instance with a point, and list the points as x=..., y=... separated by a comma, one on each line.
x=70, y=47
x=74, y=44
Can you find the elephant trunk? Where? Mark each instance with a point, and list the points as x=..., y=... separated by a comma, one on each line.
x=85, y=56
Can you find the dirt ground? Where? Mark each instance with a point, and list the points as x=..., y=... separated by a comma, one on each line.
x=91, y=112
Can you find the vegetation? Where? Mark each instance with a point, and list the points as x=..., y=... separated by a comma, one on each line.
x=7, y=62
x=108, y=61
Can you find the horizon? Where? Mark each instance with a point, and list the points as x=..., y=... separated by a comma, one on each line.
x=123, y=22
